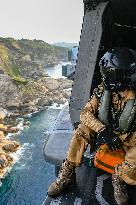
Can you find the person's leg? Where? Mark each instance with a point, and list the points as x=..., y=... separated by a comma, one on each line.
x=120, y=190
x=65, y=178
x=74, y=157
x=125, y=173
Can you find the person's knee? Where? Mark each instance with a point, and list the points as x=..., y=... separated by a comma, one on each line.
x=127, y=172
x=83, y=131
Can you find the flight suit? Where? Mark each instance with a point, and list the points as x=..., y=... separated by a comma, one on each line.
x=90, y=126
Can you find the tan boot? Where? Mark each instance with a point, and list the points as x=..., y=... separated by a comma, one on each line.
x=66, y=177
x=120, y=190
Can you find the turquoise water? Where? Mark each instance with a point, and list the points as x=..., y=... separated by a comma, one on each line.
x=30, y=177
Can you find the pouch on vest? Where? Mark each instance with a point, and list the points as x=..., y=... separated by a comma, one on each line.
x=107, y=159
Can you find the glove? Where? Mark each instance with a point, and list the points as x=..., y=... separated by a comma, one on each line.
x=107, y=136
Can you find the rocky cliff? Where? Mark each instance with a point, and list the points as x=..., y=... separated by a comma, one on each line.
x=23, y=82
x=28, y=58
x=7, y=147
x=25, y=87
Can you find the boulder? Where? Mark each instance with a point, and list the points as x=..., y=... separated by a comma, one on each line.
x=3, y=161
x=10, y=146
x=2, y=136
x=9, y=92
x=12, y=129
x=3, y=114
x=3, y=128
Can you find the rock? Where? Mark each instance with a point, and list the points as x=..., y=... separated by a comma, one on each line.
x=52, y=84
x=9, y=158
x=8, y=129
x=3, y=114
x=12, y=129
x=3, y=128
x=3, y=161
x=2, y=136
x=9, y=92
x=26, y=123
x=10, y=146
x=44, y=102
x=7, y=145
x=24, y=99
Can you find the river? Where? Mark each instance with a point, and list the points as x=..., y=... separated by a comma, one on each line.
x=27, y=182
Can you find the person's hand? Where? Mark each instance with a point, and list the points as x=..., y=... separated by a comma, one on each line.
x=106, y=136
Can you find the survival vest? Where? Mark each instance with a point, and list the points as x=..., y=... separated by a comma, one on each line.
x=127, y=117
x=105, y=158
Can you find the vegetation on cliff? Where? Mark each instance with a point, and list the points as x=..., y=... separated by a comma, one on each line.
x=24, y=59
x=23, y=80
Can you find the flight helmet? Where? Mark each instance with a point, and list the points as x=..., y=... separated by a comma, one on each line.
x=118, y=69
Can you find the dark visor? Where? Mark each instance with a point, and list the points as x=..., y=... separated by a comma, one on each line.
x=113, y=76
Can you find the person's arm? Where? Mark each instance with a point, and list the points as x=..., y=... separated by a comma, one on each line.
x=88, y=118
x=88, y=115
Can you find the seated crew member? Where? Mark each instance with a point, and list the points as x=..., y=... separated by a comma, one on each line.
x=118, y=70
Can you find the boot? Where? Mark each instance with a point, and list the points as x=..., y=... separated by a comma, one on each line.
x=66, y=177
x=120, y=190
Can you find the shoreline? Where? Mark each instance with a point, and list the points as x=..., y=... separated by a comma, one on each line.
x=21, y=123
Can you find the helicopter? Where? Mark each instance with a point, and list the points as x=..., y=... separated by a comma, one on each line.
x=106, y=24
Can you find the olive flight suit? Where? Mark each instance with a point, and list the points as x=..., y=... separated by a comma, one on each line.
x=90, y=125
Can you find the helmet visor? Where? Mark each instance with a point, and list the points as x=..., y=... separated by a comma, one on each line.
x=113, y=76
